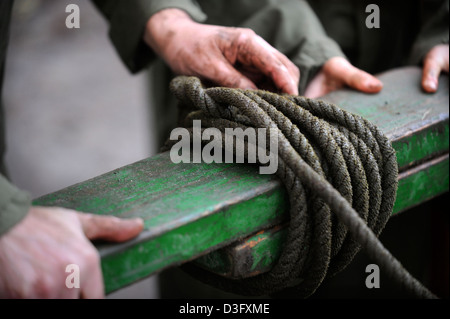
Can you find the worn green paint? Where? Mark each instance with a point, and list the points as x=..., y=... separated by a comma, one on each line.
x=422, y=183
x=424, y=144
x=164, y=194
x=191, y=209
x=193, y=239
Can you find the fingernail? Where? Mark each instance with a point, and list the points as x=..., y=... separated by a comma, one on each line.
x=431, y=85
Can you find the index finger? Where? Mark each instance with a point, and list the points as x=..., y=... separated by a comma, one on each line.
x=109, y=227
x=272, y=63
x=435, y=61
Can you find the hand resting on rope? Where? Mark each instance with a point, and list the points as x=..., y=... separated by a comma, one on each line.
x=226, y=56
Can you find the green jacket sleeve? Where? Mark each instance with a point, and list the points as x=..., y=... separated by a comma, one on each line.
x=434, y=31
x=293, y=28
x=127, y=20
x=14, y=205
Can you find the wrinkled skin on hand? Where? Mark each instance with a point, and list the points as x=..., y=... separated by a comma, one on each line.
x=34, y=254
x=225, y=56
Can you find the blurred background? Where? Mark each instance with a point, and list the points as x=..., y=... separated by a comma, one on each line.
x=73, y=111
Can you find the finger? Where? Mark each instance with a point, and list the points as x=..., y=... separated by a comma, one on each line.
x=226, y=75
x=318, y=87
x=258, y=53
x=277, y=66
x=109, y=227
x=430, y=74
x=293, y=70
x=435, y=62
x=363, y=81
x=357, y=79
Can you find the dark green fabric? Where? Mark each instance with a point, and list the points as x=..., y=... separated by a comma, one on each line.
x=14, y=203
x=127, y=20
x=434, y=31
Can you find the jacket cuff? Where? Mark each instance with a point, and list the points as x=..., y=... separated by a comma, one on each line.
x=311, y=56
x=127, y=21
x=424, y=45
x=14, y=205
x=433, y=33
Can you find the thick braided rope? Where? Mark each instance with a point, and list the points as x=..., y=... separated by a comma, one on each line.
x=340, y=173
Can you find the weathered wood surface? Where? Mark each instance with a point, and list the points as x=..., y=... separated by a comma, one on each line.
x=193, y=209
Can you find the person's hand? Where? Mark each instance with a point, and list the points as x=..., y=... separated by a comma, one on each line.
x=434, y=62
x=34, y=254
x=336, y=73
x=226, y=56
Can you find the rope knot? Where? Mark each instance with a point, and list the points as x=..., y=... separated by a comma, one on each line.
x=340, y=173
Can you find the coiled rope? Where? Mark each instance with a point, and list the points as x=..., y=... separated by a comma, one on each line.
x=340, y=173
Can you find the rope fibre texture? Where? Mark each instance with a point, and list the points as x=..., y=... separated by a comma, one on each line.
x=340, y=173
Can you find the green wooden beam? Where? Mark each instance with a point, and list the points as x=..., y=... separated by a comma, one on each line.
x=193, y=209
x=188, y=210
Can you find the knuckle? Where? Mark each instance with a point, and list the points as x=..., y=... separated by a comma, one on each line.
x=244, y=35
x=42, y=287
x=249, y=32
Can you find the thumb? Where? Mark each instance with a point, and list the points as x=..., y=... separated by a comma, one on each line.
x=353, y=77
x=110, y=228
x=363, y=81
x=435, y=62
